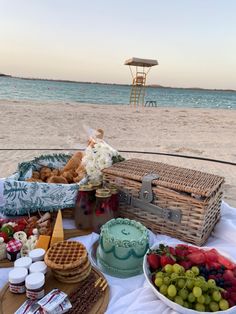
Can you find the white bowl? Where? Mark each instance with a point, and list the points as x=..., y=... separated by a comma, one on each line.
x=178, y=308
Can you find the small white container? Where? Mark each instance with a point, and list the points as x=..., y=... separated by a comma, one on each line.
x=23, y=262
x=17, y=278
x=38, y=267
x=37, y=254
x=35, y=286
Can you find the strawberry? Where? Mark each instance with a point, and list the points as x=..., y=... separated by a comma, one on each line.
x=225, y=262
x=153, y=261
x=233, y=296
x=214, y=265
x=167, y=259
x=172, y=250
x=197, y=258
x=4, y=235
x=19, y=227
x=29, y=232
x=211, y=256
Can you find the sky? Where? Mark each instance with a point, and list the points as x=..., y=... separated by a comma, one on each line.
x=194, y=41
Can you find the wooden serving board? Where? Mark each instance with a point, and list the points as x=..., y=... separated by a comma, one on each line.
x=68, y=233
x=10, y=302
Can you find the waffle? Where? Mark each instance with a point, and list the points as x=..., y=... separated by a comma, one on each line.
x=66, y=255
x=72, y=272
x=74, y=278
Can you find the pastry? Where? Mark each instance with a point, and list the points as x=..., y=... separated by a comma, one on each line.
x=73, y=162
x=57, y=179
x=45, y=172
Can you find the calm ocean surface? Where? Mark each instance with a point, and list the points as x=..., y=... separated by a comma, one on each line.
x=20, y=89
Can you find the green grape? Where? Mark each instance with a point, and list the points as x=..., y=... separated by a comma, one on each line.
x=191, y=297
x=211, y=283
x=189, y=274
x=174, y=276
x=179, y=300
x=224, y=305
x=190, y=284
x=199, y=307
x=201, y=299
x=187, y=305
x=207, y=298
x=197, y=292
x=159, y=274
x=204, y=286
x=166, y=280
x=214, y=307
x=163, y=289
x=195, y=270
x=183, y=293
x=168, y=268
x=181, y=283
x=177, y=268
x=158, y=281
x=172, y=291
x=216, y=296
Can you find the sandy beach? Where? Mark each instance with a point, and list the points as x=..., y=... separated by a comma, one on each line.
x=42, y=126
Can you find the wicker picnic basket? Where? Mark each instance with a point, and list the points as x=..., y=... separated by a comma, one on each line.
x=178, y=202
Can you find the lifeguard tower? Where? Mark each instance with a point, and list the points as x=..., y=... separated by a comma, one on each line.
x=139, y=77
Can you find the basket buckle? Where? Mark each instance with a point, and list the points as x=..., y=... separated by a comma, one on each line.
x=144, y=201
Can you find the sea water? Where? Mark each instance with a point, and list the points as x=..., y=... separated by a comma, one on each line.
x=96, y=93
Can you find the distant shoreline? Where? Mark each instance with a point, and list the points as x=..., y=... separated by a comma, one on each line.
x=117, y=84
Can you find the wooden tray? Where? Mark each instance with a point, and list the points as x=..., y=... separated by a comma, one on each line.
x=68, y=233
x=10, y=302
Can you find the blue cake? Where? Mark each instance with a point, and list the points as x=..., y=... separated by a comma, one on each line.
x=122, y=246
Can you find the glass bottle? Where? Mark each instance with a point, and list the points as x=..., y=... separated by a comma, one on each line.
x=114, y=200
x=84, y=207
x=103, y=211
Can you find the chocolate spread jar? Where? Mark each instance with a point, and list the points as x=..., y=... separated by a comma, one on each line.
x=17, y=278
x=35, y=286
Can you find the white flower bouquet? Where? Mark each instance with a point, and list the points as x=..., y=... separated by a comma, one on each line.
x=98, y=156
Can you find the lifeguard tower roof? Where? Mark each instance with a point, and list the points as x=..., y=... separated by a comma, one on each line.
x=141, y=62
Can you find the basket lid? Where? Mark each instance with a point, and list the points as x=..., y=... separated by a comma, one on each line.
x=172, y=177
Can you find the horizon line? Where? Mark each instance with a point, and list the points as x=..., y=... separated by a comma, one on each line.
x=120, y=84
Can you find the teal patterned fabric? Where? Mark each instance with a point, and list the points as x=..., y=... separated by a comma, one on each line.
x=21, y=197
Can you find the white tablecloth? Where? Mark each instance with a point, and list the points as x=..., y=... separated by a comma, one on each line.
x=133, y=295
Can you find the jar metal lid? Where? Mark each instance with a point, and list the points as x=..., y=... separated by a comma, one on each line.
x=23, y=262
x=103, y=193
x=95, y=184
x=38, y=267
x=37, y=254
x=86, y=187
x=34, y=281
x=17, y=275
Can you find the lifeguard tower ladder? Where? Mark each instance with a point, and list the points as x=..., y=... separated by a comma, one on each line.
x=139, y=76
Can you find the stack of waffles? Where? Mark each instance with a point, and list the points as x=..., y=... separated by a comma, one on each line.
x=68, y=261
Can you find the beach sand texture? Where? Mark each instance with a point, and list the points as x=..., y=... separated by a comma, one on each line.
x=206, y=133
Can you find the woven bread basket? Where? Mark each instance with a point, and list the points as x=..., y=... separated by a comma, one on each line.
x=178, y=202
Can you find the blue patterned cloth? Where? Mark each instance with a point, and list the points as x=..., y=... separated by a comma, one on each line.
x=20, y=197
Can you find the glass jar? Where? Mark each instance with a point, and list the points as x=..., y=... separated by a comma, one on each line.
x=114, y=200
x=103, y=211
x=84, y=207
x=35, y=286
x=17, y=280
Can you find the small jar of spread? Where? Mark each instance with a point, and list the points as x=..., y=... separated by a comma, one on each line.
x=37, y=254
x=13, y=250
x=38, y=267
x=35, y=286
x=17, y=280
x=114, y=200
x=23, y=262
